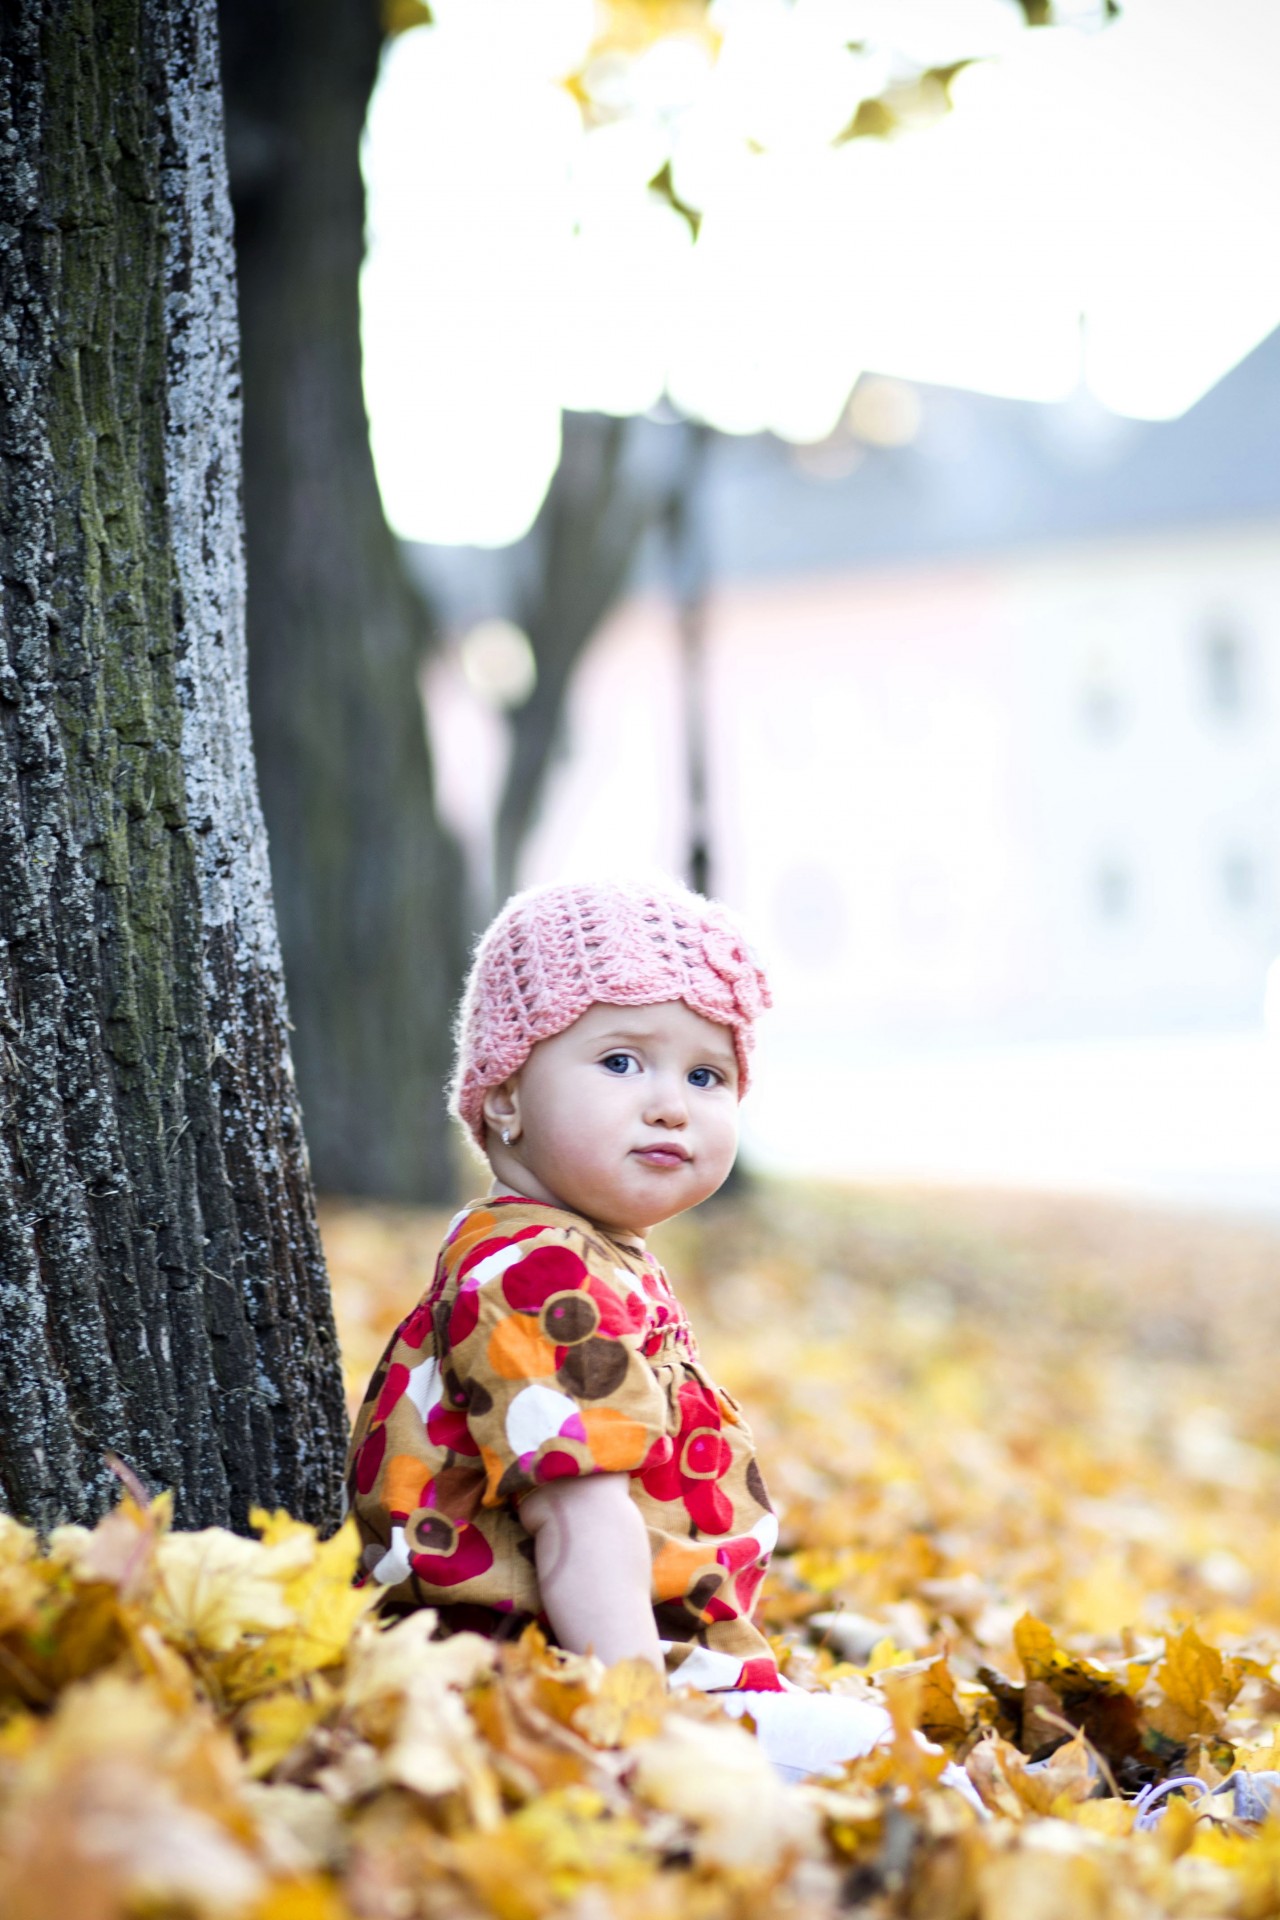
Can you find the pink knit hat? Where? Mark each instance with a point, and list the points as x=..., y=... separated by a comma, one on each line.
x=555, y=951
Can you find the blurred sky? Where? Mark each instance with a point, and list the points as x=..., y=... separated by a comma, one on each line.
x=1098, y=206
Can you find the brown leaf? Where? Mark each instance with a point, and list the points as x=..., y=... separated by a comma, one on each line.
x=939, y=1714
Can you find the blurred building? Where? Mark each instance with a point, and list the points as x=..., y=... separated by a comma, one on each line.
x=994, y=749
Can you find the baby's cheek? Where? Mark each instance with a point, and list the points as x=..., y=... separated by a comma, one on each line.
x=724, y=1132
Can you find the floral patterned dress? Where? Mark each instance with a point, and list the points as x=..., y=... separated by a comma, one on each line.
x=545, y=1349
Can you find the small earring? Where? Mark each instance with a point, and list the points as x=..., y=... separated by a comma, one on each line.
x=506, y=1136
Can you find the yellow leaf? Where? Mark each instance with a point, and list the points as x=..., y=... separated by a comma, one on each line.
x=542, y=1856
x=823, y=1570
x=1197, y=1686
x=124, y=1803
x=78, y=1630
x=1252, y=1858
x=1057, y=1873
x=214, y=1587
x=1190, y=1672
x=437, y=1751
x=1044, y=1660
x=323, y=1605
x=884, y=1654
x=301, y=1900
x=19, y=1735
x=1262, y=1756
x=1111, y=1817
x=998, y=1771
x=20, y=1582
x=629, y=1705
x=1069, y=1776
x=1177, y=1829
x=160, y=1662
x=274, y=1726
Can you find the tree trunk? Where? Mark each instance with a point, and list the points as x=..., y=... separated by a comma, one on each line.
x=368, y=884
x=581, y=549
x=162, y=1288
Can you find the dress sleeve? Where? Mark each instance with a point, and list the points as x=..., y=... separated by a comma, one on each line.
x=544, y=1342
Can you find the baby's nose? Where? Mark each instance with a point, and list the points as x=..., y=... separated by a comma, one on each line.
x=667, y=1103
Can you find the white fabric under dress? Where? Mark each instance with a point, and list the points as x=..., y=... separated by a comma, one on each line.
x=805, y=1733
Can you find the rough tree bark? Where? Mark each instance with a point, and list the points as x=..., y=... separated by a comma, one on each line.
x=162, y=1288
x=369, y=886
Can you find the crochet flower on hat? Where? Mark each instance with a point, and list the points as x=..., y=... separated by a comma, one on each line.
x=728, y=955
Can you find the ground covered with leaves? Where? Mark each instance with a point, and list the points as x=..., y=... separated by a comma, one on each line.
x=1027, y=1455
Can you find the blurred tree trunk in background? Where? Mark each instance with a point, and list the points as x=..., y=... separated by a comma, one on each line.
x=369, y=886
x=162, y=1289
x=577, y=559
x=689, y=560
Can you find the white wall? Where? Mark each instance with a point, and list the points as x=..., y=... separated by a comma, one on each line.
x=997, y=798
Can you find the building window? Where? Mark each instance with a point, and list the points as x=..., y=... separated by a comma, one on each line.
x=1238, y=876
x=1224, y=670
x=1112, y=890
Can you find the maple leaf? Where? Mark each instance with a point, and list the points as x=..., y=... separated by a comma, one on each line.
x=403, y=1693
x=936, y=1710
x=1197, y=1685
x=379, y=1769
x=1260, y=1756
x=1065, y=1690
x=436, y=1750
x=1054, y=1872
x=1044, y=1660
x=315, y=1578
x=120, y=1551
x=125, y=1802
x=1251, y=1859
x=629, y=1705
x=1008, y=1786
x=214, y=1587
x=276, y=1725
x=546, y=1852
x=384, y=1662
x=715, y=1776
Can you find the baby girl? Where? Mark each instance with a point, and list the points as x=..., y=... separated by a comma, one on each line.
x=541, y=1440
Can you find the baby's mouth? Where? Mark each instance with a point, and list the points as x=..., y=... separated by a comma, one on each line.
x=663, y=1156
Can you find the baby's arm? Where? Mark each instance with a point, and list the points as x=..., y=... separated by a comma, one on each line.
x=592, y=1553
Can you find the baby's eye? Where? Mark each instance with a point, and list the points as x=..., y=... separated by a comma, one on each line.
x=618, y=1062
x=704, y=1077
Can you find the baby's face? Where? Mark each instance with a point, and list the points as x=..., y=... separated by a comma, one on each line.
x=629, y=1116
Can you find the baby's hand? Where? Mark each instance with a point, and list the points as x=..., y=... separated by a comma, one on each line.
x=592, y=1553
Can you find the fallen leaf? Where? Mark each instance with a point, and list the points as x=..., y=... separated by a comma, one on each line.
x=215, y=1587
x=629, y=1705
x=717, y=1779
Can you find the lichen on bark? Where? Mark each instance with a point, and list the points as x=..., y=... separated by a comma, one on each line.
x=162, y=1289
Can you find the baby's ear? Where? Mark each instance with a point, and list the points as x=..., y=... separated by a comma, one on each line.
x=501, y=1109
